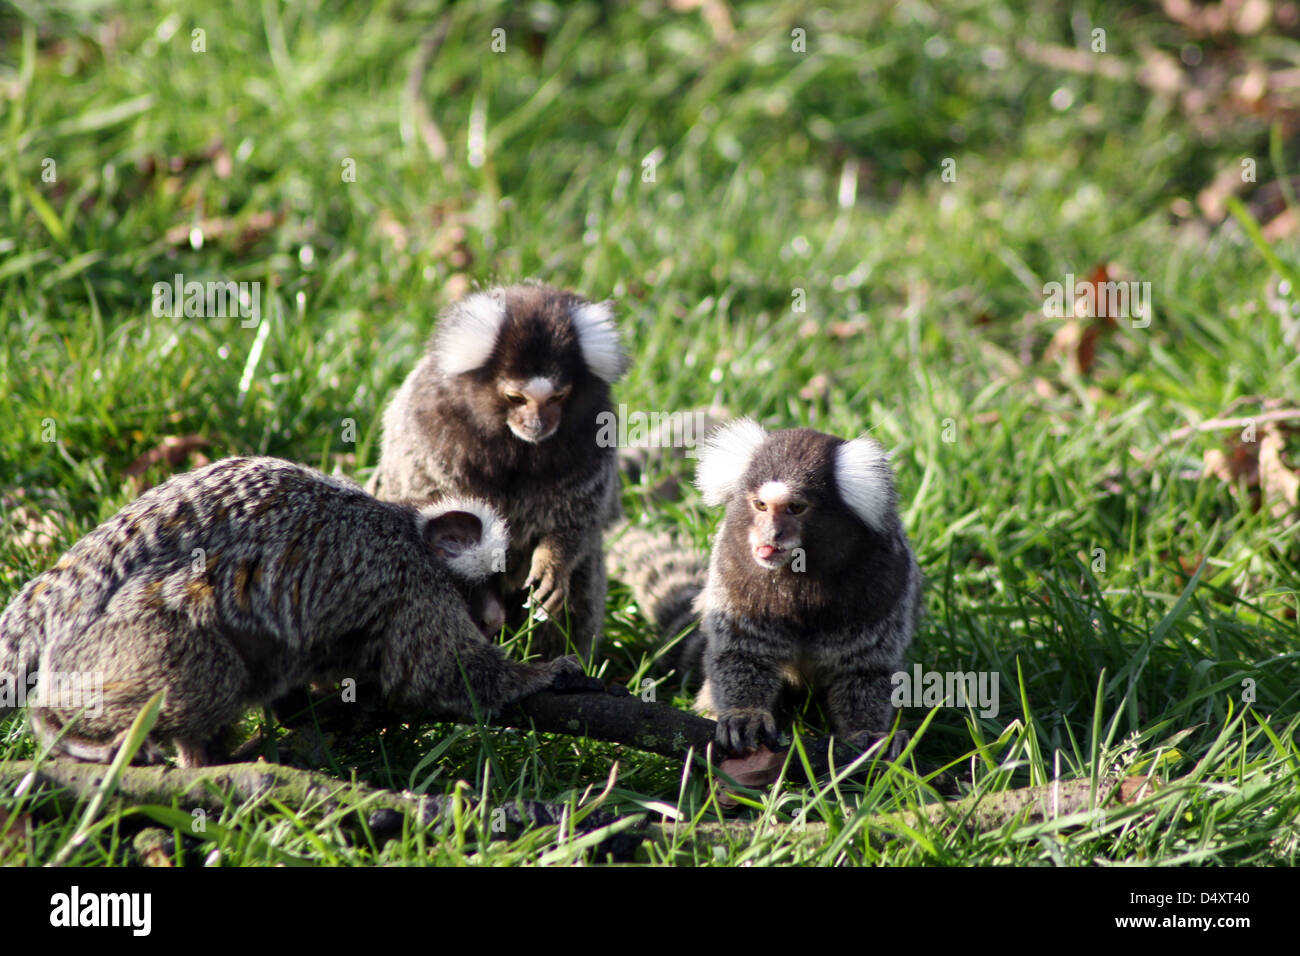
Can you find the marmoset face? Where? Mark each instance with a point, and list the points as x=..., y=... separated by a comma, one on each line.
x=534, y=408
x=777, y=514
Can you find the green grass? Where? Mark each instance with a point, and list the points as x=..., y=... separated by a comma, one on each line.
x=924, y=312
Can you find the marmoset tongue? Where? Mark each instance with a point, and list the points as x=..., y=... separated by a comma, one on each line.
x=765, y=550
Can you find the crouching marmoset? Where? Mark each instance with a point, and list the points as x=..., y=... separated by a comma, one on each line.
x=508, y=405
x=811, y=583
x=232, y=584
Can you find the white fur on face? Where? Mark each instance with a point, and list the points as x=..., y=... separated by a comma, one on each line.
x=483, y=559
x=774, y=491
x=468, y=332
x=538, y=389
x=865, y=481
x=598, y=338
x=725, y=458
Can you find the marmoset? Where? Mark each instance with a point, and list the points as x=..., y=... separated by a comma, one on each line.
x=811, y=582
x=232, y=584
x=508, y=405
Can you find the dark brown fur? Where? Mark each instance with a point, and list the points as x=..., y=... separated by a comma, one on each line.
x=836, y=618
x=449, y=434
x=230, y=585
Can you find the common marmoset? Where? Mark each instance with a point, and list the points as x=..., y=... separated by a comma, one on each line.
x=232, y=584
x=507, y=405
x=811, y=582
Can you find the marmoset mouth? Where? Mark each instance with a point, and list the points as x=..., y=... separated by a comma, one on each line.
x=771, y=556
x=540, y=435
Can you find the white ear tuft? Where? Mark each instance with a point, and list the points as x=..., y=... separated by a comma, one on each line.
x=477, y=561
x=866, y=482
x=598, y=338
x=467, y=332
x=725, y=458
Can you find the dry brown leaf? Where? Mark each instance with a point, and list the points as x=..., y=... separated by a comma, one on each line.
x=1278, y=482
x=1161, y=72
x=716, y=14
x=756, y=770
x=243, y=232
x=33, y=529
x=1086, y=353
x=1212, y=200
x=1250, y=87
x=449, y=242
x=1260, y=464
x=818, y=387
x=1239, y=461
x=1282, y=226
x=457, y=286
x=1243, y=17
x=386, y=225
x=1090, y=288
x=1065, y=343
x=836, y=330
x=1076, y=340
x=1225, y=90
x=30, y=528
x=216, y=154
x=173, y=449
x=1134, y=789
x=1187, y=563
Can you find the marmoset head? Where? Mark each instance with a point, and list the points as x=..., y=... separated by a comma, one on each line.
x=527, y=355
x=472, y=540
x=797, y=492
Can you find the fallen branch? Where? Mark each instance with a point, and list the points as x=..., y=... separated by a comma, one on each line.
x=1025, y=805
x=651, y=727
x=310, y=795
x=616, y=718
x=313, y=794
x=1147, y=457
x=1218, y=424
x=1074, y=60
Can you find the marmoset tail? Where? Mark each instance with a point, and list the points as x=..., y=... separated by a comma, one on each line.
x=665, y=577
x=232, y=584
x=508, y=405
